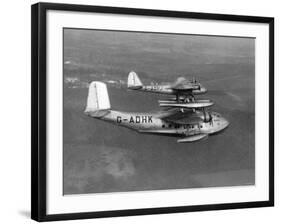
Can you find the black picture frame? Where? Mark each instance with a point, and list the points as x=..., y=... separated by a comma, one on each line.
x=38, y=108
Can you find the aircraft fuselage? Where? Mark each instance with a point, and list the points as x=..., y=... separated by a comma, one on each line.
x=166, y=89
x=150, y=123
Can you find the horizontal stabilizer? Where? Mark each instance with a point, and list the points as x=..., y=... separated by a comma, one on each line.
x=98, y=113
x=193, y=138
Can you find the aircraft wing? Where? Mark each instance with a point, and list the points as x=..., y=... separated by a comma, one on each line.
x=183, y=87
x=190, y=105
x=181, y=84
x=186, y=120
x=177, y=116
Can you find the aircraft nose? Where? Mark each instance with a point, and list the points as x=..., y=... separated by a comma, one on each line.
x=225, y=123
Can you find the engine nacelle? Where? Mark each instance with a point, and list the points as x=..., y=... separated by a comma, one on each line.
x=207, y=117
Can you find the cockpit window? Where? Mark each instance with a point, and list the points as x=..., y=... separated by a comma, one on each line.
x=216, y=115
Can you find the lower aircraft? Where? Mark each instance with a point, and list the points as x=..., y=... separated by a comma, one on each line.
x=192, y=124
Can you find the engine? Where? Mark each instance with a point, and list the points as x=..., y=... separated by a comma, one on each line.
x=207, y=117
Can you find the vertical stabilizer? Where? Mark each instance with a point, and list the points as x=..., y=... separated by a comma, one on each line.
x=134, y=81
x=98, y=99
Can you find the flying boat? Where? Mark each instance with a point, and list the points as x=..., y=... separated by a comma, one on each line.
x=191, y=121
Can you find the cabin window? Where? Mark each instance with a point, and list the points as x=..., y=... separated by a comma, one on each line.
x=163, y=126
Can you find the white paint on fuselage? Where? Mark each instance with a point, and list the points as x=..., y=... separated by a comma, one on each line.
x=150, y=122
x=166, y=89
x=135, y=121
x=162, y=89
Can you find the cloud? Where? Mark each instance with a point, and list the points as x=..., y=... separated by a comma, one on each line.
x=96, y=168
x=118, y=164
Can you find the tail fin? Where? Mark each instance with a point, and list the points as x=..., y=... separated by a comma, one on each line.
x=134, y=81
x=98, y=102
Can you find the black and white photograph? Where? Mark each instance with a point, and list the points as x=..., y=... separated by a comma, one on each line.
x=145, y=111
x=140, y=111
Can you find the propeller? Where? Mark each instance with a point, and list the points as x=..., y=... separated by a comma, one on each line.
x=194, y=80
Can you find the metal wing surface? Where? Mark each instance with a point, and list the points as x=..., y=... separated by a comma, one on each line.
x=183, y=87
x=181, y=84
x=178, y=116
x=190, y=105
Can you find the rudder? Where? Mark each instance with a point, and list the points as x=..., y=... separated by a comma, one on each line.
x=134, y=81
x=98, y=99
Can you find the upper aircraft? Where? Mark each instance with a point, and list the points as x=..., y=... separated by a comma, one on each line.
x=189, y=120
x=183, y=89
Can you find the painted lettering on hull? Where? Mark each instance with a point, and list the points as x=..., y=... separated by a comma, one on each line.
x=135, y=119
